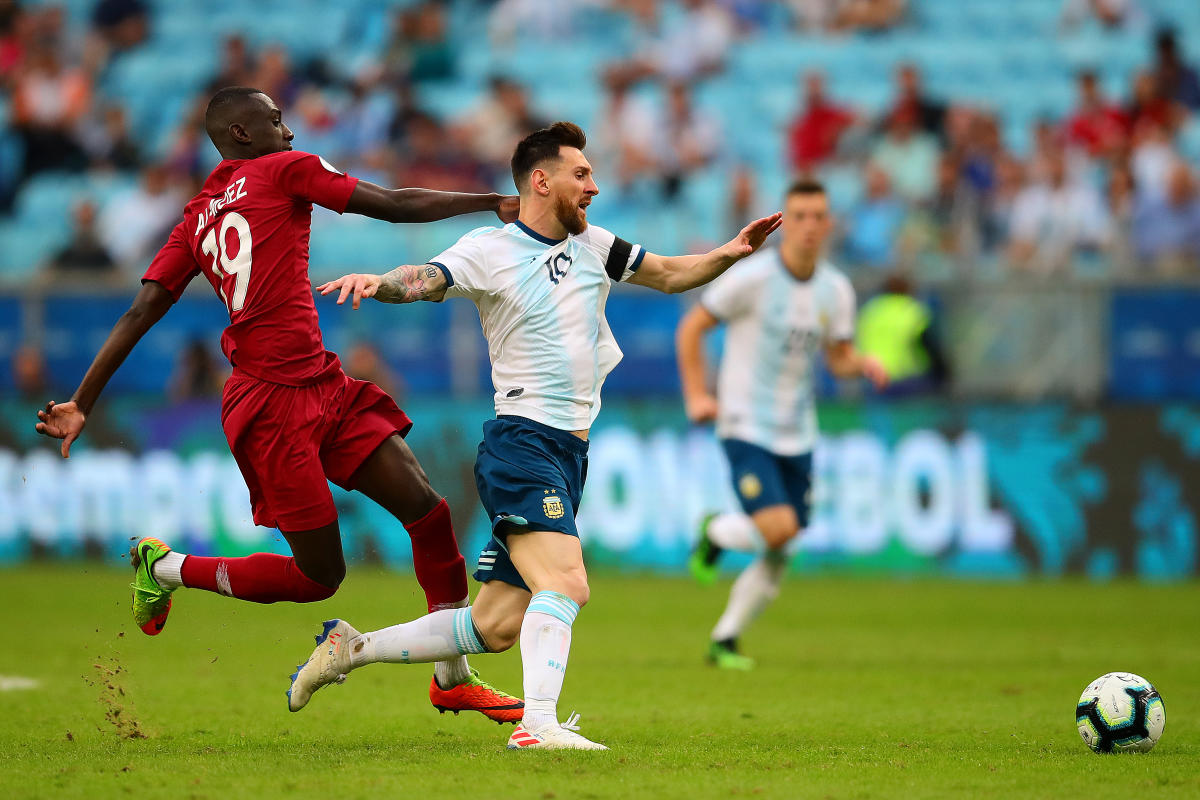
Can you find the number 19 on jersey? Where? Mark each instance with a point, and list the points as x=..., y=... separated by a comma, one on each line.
x=238, y=266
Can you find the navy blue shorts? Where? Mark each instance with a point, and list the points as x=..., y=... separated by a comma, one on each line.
x=762, y=478
x=530, y=477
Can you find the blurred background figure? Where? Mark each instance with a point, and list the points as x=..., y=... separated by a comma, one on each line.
x=873, y=226
x=872, y=16
x=690, y=140
x=122, y=24
x=1097, y=126
x=914, y=100
x=503, y=118
x=84, y=254
x=364, y=362
x=1177, y=79
x=109, y=142
x=898, y=329
x=908, y=156
x=1110, y=14
x=134, y=225
x=1055, y=219
x=815, y=133
x=1167, y=226
x=49, y=100
x=420, y=48
x=30, y=378
x=198, y=374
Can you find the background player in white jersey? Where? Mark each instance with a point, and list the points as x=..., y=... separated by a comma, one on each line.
x=540, y=284
x=779, y=308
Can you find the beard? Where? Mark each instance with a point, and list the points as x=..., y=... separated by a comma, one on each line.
x=570, y=216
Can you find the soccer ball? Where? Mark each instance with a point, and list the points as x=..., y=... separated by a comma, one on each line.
x=1120, y=712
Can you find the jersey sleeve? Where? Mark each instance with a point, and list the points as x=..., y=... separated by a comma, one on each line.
x=728, y=296
x=845, y=309
x=464, y=267
x=312, y=179
x=621, y=258
x=174, y=265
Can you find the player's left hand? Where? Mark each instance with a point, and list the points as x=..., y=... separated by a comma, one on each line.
x=752, y=236
x=61, y=421
x=873, y=370
x=356, y=285
x=509, y=208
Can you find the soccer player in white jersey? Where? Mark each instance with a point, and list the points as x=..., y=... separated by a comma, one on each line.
x=540, y=284
x=780, y=308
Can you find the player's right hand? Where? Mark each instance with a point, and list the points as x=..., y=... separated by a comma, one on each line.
x=700, y=408
x=61, y=421
x=357, y=286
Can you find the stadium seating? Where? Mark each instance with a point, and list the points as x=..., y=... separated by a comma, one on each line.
x=1011, y=56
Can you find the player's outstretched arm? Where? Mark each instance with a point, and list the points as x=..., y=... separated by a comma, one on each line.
x=427, y=205
x=66, y=420
x=404, y=284
x=679, y=273
x=845, y=361
x=698, y=402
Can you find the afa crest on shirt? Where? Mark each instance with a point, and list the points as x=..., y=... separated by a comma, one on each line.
x=552, y=506
x=750, y=486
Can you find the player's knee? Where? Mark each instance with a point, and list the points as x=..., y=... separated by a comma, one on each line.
x=327, y=577
x=574, y=585
x=778, y=529
x=777, y=536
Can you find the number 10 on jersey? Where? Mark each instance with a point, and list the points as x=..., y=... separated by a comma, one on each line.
x=237, y=267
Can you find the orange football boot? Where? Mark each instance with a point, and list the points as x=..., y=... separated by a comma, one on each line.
x=474, y=694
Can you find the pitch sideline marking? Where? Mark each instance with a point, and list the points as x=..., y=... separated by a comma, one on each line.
x=16, y=683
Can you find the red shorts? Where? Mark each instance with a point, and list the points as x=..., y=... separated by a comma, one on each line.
x=288, y=440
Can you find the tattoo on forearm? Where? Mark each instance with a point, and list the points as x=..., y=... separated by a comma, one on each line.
x=408, y=284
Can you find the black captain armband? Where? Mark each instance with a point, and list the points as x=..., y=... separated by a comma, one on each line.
x=618, y=258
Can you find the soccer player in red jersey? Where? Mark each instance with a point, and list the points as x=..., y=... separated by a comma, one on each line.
x=292, y=417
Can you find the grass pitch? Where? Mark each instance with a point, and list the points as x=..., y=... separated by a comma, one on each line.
x=866, y=688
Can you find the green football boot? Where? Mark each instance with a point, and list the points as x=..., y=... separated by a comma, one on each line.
x=151, y=602
x=725, y=656
x=703, y=561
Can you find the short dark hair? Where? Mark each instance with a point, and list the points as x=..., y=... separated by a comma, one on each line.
x=227, y=97
x=543, y=145
x=223, y=103
x=805, y=186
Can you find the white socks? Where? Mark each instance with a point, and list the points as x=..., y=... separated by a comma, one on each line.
x=452, y=671
x=734, y=531
x=753, y=591
x=545, y=644
x=440, y=636
x=166, y=570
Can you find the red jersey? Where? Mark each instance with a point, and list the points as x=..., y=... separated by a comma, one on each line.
x=248, y=231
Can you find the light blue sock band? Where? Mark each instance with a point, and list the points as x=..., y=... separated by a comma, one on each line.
x=465, y=638
x=556, y=605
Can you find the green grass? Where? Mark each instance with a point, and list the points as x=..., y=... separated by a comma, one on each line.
x=866, y=688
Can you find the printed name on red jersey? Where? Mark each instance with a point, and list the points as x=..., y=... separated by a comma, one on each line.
x=233, y=192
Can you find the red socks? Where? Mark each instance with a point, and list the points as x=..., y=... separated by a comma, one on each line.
x=440, y=568
x=259, y=578
x=270, y=578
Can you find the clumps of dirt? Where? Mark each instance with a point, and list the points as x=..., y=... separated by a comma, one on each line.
x=112, y=698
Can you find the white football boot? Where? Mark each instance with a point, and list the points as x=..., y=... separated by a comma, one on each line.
x=552, y=737
x=329, y=663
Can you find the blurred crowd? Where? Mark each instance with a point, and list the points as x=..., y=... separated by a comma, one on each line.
x=1105, y=180
x=936, y=180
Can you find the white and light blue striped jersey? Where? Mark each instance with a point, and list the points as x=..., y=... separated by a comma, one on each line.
x=541, y=304
x=775, y=324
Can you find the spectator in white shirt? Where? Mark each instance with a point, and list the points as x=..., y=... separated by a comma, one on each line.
x=135, y=224
x=1055, y=219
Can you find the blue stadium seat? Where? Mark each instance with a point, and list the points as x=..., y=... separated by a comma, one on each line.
x=24, y=248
